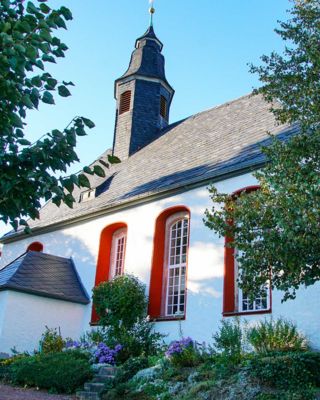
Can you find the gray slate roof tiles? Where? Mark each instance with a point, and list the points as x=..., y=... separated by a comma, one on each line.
x=209, y=145
x=44, y=275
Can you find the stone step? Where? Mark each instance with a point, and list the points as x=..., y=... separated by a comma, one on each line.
x=102, y=378
x=84, y=395
x=107, y=370
x=94, y=387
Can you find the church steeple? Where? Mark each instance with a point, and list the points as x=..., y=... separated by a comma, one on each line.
x=143, y=97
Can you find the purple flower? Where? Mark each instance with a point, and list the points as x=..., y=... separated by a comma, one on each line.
x=105, y=354
x=178, y=346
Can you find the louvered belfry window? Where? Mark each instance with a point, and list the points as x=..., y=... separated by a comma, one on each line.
x=125, y=101
x=163, y=107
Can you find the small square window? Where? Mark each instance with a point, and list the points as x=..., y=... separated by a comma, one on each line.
x=87, y=195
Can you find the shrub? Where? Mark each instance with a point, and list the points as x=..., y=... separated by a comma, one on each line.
x=63, y=372
x=51, y=341
x=228, y=341
x=280, y=335
x=292, y=370
x=183, y=353
x=139, y=340
x=130, y=368
x=120, y=302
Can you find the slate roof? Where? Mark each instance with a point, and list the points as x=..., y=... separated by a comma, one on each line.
x=44, y=275
x=211, y=145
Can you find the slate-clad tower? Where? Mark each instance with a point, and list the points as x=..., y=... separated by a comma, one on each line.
x=143, y=97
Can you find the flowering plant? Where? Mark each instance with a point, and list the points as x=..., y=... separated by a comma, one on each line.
x=183, y=353
x=178, y=346
x=107, y=355
x=100, y=353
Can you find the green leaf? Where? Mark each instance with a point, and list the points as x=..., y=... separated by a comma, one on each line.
x=113, y=159
x=99, y=171
x=80, y=132
x=36, y=81
x=48, y=58
x=88, y=170
x=84, y=181
x=68, y=184
x=47, y=98
x=45, y=35
x=31, y=8
x=44, y=8
x=66, y=13
x=16, y=121
x=60, y=22
x=52, y=83
x=63, y=91
x=88, y=122
x=27, y=101
x=24, y=142
x=31, y=52
x=68, y=83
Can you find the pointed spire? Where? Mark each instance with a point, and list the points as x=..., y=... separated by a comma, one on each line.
x=151, y=12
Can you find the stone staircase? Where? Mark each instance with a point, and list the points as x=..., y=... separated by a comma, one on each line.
x=93, y=389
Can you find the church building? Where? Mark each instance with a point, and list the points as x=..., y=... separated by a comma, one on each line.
x=146, y=218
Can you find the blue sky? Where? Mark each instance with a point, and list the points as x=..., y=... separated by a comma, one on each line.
x=207, y=46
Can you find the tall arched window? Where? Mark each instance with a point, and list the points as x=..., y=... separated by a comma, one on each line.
x=111, y=255
x=167, y=297
x=235, y=300
x=118, y=247
x=35, y=246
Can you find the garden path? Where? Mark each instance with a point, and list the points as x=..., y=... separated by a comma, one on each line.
x=13, y=393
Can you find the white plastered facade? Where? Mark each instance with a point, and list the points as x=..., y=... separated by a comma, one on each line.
x=205, y=274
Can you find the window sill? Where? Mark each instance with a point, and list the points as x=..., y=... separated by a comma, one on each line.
x=240, y=313
x=167, y=319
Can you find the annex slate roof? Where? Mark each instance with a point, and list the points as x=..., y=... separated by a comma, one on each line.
x=44, y=275
x=207, y=146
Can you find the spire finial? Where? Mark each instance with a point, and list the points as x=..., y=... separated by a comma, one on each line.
x=151, y=11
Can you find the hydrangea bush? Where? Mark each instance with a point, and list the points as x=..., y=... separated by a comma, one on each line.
x=183, y=353
x=100, y=353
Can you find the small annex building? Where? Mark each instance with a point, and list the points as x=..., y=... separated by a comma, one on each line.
x=146, y=218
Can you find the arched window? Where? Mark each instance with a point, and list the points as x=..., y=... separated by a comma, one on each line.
x=118, y=247
x=235, y=300
x=125, y=102
x=167, y=297
x=35, y=246
x=111, y=255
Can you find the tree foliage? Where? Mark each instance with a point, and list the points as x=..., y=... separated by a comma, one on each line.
x=28, y=172
x=276, y=228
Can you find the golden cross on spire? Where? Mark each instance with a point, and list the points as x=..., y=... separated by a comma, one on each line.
x=151, y=11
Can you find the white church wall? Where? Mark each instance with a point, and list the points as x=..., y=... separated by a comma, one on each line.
x=25, y=317
x=3, y=308
x=205, y=264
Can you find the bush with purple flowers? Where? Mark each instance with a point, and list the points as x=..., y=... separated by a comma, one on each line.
x=106, y=355
x=183, y=353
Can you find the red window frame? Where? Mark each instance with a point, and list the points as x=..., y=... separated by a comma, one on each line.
x=157, y=289
x=35, y=246
x=104, y=259
x=230, y=308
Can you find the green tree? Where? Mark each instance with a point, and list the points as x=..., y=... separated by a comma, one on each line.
x=276, y=228
x=31, y=172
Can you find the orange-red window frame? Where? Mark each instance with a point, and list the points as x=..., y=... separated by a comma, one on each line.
x=156, y=292
x=229, y=299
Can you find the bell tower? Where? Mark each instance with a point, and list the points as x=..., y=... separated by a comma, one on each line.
x=143, y=97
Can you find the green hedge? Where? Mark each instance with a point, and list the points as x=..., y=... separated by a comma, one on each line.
x=62, y=372
x=290, y=370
